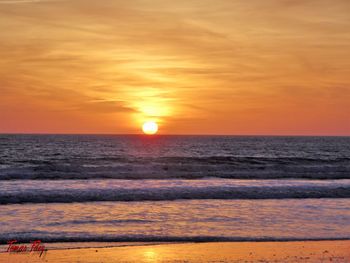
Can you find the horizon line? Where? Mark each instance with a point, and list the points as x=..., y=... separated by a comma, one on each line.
x=190, y=134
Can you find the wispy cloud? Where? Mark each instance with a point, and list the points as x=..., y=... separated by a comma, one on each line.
x=26, y=1
x=237, y=63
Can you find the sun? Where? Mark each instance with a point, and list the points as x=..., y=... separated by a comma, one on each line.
x=150, y=127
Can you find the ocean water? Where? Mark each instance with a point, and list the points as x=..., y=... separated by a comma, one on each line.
x=105, y=188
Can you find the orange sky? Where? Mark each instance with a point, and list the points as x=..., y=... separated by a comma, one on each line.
x=194, y=66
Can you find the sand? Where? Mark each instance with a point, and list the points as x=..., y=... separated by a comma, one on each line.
x=306, y=251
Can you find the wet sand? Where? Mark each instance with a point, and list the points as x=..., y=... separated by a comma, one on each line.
x=305, y=251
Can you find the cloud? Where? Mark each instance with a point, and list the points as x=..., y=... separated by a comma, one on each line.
x=101, y=106
x=194, y=58
x=26, y=1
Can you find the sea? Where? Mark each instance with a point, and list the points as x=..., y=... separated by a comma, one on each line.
x=137, y=188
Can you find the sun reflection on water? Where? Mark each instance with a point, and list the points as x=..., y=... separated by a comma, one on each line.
x=150, y=255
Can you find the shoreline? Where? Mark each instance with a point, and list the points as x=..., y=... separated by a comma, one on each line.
x=261, y=251
x=59, y=245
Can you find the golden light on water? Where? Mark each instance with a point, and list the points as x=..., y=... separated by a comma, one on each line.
x=150, y=255
x=150, y=127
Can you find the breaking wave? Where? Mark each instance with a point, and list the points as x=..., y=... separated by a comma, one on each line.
x=26, y=238
x=70, y=191
x=178, y=167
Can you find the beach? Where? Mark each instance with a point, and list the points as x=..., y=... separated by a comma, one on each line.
x=305, y=251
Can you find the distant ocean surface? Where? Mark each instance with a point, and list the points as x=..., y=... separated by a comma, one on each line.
x=99, y=188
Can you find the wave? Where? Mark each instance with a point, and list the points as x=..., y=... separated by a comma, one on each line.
x=177, y=167
x=27, y=238
x=173, y=193
x=100, y=222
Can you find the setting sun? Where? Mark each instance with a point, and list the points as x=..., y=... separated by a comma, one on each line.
x=150, y=127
